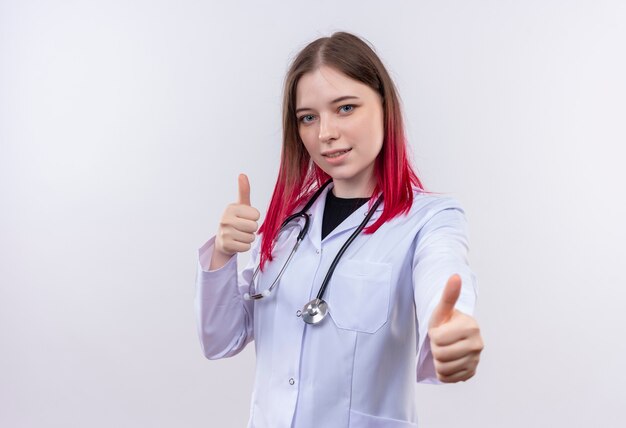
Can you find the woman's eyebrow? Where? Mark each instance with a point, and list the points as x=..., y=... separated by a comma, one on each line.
x=336, y=100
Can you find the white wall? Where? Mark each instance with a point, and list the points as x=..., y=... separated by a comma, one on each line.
x=124, y=124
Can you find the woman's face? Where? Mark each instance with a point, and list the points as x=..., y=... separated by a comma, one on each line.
x=336, y=113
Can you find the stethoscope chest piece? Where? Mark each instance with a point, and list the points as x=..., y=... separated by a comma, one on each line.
x=314, y=311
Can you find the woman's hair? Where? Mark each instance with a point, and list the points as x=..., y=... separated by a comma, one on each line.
x=299, y=177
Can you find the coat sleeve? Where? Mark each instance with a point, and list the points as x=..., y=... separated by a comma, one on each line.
x=224, y=320
x=441, y=251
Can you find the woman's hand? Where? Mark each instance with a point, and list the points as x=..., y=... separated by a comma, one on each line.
x=455, y=339
x=237, y=227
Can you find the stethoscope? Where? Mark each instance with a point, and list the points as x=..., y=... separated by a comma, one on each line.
x=314, y=311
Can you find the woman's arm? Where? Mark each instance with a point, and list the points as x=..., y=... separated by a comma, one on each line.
x=224, y=319
x=441, y=252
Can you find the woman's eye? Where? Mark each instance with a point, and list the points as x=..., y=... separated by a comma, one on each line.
x=306, y=118
x=349, y=108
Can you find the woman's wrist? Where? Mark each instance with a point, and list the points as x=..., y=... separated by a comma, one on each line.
x=219, y=259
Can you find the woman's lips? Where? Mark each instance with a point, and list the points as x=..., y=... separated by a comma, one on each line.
x=337, y=159
x=334, y=152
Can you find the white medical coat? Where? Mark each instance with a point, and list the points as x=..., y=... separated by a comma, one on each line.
x=359, y=367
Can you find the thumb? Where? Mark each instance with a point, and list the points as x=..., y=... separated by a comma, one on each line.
x=444, y=310
x=244, y=190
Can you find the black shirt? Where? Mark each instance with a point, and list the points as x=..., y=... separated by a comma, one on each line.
x=337, y=210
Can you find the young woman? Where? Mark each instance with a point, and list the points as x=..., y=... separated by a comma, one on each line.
x=368, y=289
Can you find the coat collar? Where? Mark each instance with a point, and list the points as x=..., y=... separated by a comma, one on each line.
x=316, y=211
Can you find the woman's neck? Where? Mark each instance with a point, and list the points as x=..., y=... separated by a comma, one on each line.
x=349, y=190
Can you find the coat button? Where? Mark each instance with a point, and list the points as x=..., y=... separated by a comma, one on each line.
x=291, y=381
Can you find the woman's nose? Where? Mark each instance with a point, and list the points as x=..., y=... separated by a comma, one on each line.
x=328, y=130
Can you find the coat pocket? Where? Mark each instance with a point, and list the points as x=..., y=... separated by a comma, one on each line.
x=361, y=420
x=359, y=295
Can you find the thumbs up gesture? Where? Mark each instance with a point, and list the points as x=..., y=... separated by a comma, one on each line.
x=455, y=340
x=237, y=228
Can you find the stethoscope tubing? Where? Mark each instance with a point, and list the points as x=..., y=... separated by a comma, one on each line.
x=317, y=303
x=301, y=235
x=344, y=247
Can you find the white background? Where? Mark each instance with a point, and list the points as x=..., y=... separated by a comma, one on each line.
x=124, y=124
